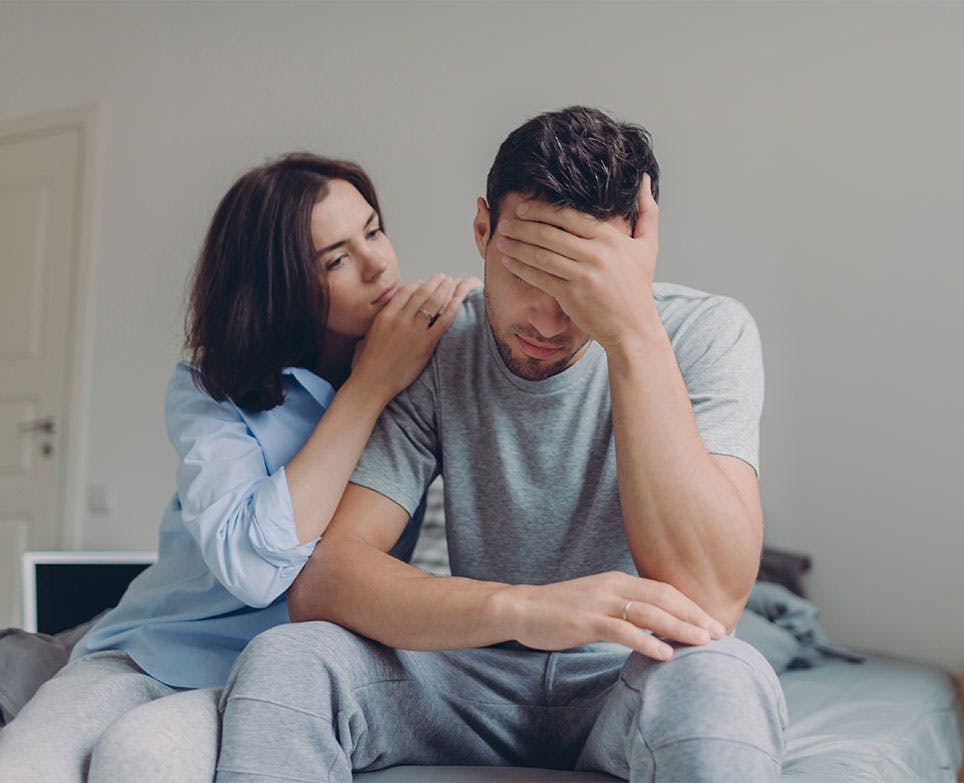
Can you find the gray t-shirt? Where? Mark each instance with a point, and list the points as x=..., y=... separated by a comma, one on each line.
x=531, y=492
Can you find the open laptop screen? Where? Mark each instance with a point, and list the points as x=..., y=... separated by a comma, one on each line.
x=64, y=589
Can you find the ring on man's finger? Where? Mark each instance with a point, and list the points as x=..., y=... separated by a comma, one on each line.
x=626, y=610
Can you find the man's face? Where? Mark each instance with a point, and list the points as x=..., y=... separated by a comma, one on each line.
x=535, y=337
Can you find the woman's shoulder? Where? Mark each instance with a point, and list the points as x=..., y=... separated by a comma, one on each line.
x=185, y=387
x=189, y=411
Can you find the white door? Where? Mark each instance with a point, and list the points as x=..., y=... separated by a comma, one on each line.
x=40, y=179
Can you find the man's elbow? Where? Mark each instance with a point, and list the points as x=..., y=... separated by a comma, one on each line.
x=729, y=613
x=297, y=600
x=305, y=593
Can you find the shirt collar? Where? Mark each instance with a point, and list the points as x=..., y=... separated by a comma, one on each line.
x=320, y=390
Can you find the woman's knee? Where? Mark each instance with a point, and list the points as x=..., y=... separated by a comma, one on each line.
x=173, y=738
x=53, y=736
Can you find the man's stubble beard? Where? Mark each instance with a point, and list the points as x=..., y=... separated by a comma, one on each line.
x=526, y=368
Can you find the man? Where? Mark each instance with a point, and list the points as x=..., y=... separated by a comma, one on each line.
x=598, y=438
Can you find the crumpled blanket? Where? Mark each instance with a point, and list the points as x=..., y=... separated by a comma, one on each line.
x=784, y=628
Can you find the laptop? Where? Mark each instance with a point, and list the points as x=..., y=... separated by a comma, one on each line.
x=64, y=589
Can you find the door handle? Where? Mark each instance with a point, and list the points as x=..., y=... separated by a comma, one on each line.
x=40, y=425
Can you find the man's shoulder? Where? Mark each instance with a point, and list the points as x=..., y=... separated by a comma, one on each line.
x=468, y=327
x=690, y=312
x=707, y=330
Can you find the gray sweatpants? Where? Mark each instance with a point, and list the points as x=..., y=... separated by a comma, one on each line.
x=102, y=718
x=312, y=702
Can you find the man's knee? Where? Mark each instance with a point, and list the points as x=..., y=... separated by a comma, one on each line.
x=290, y=658
x=724, y=691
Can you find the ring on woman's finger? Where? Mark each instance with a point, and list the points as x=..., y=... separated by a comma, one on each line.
x=432, y=317
x=626, y=610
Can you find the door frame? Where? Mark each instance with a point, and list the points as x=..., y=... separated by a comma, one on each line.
x=87, y=119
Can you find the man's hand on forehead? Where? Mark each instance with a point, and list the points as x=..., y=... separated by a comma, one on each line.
x=600, y=274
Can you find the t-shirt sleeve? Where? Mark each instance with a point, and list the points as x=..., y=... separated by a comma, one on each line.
x=402, y=455
x=721, y=359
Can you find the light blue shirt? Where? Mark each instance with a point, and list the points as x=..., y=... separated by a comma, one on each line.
x=228, y=550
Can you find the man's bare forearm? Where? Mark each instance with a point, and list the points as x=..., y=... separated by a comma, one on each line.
x=356, y=585
x=685, y=521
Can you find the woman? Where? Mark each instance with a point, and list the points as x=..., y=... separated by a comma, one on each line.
x=299, y=332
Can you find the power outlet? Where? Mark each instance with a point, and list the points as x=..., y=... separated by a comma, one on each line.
x=101, y=500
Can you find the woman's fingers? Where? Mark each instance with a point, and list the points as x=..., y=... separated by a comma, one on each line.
x=451, y=309
x=423, y=292
x=401, y=299
x=435, y=299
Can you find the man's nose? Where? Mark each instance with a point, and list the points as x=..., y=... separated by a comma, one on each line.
x=546, y=316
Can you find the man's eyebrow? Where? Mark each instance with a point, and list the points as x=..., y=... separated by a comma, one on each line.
x=335, y=245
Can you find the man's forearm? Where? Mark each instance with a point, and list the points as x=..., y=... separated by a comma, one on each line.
x=685, y=521
x=356, y=585
x=361, y=588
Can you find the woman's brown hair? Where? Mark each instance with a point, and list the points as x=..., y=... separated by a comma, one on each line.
x=258, y=298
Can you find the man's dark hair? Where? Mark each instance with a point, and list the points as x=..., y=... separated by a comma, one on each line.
x=258, y=298
x=576, y=157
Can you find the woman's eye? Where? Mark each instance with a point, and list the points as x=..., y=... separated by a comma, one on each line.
x=336, y=262
x=374, y=233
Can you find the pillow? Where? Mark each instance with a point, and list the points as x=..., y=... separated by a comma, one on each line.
x=784, y=568
x=28, y=660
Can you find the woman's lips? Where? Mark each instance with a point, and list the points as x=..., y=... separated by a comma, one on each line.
x=537, y=351
x=386, y=296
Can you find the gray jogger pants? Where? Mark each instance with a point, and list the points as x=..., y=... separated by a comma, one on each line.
x=313, y=701
x=103, y=719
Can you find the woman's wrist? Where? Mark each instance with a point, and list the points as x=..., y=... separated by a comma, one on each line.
x=368, y=393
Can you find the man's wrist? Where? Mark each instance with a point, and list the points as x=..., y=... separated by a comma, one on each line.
x=641, y=344
x=643, y=327
x=506, y=610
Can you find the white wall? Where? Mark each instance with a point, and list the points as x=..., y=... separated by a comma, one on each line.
x=812, y=168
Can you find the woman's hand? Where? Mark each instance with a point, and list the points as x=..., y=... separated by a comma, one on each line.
x=404, y=334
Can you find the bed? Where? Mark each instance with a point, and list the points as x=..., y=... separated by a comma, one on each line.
x=853, y=718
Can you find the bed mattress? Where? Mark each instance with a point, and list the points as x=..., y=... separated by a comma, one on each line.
x=882, y=721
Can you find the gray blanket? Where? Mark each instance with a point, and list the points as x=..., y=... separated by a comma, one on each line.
x=783, y=626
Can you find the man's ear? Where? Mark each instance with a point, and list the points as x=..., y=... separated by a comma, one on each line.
x=480, y=226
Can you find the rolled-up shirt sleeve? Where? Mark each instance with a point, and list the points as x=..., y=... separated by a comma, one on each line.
x=239, y=514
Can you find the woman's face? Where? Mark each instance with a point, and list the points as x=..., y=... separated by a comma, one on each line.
x=358, y=259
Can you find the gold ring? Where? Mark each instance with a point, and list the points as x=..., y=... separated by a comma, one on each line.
x=626, y=610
